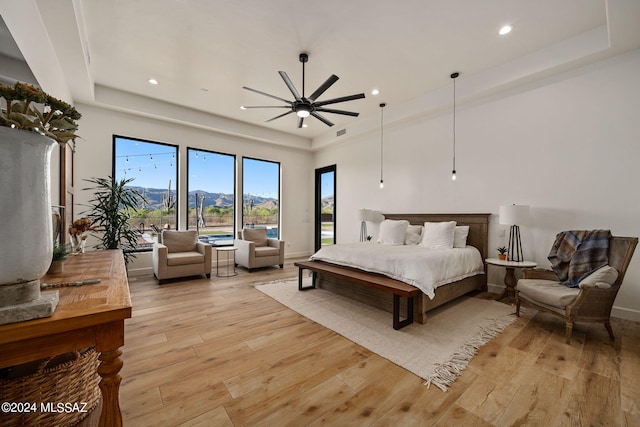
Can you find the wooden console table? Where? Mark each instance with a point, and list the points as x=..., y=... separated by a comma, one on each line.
x=88, y=315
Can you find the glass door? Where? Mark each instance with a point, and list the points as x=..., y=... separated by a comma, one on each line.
x=325, y=207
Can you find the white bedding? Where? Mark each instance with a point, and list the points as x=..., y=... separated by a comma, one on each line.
x=424, y=268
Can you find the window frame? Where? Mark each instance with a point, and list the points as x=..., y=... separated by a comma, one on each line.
x=279, y=190
x=235, y=189
x=114, y=156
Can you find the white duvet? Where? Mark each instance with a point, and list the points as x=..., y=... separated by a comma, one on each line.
x=426, y=269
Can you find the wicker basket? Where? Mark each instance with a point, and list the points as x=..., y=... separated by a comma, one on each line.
x=58, y=391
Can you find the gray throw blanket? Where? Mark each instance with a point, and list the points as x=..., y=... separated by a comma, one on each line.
x=577, y=253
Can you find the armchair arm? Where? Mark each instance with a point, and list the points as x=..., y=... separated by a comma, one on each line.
x=539, y=273
x=246, y=253
x=275, y=243
x=159, y=260
x=205, y=249
x=280, y=245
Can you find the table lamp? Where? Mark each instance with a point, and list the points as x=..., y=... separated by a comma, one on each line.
x=515, y=216
x=368, y=215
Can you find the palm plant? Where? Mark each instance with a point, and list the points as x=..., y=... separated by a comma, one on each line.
x=111, y=208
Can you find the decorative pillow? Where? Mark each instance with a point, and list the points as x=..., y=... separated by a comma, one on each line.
x=438, y=235
x=605, y=274
x=460, y=236
x=180, y=241
x=413, y=235
x=392, y=232
x=256, y=235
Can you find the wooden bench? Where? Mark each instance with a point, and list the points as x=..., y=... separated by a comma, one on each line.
x=377, y=281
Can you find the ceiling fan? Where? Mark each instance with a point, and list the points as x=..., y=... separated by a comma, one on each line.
x=305, y=106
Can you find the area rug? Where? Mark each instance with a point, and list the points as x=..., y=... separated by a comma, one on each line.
x=436, y=351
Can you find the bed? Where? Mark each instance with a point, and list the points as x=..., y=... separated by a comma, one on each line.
x=477, y=237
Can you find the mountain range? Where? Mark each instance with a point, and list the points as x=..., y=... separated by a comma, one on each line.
x=155, y=197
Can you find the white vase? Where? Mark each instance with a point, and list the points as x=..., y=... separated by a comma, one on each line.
x=25, y=216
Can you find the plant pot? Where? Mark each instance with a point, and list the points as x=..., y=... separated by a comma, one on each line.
x=26, y=227
x=502, y=257
x=56, y=267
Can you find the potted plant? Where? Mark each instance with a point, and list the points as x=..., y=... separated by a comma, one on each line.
x=31, y=123
x=111, y=208
x=502, y=253
x=60, y=254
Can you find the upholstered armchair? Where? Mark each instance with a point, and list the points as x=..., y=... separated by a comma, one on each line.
x=180, y=254
x=256, y=250
x=591, y=301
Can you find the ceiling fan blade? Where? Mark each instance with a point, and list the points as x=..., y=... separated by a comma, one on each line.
x=290, y=85
x=300, y=120
x=266, y=94
x=346, y=113
x=341, y=99
x=322, y=119
x=323, y=87
x=266, y=106
x=281, y=115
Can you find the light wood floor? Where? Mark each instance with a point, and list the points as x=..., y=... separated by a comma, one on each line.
x=220, y=353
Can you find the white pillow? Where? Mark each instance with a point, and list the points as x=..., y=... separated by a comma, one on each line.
x=438, y=235
x=605, y=274
x=460, y=236
x=413, y=235
x=392, y=232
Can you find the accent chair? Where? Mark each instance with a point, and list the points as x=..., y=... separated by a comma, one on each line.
x=256, y=250
x=180, y=254
x=591, y=301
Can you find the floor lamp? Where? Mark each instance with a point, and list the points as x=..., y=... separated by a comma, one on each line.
x=515, y=216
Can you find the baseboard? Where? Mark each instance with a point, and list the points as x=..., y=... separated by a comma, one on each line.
x=297, y=255
x=625, y=313
x=494, y=288
x=144, y=271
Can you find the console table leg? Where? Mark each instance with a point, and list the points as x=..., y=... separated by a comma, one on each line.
x=110, y=365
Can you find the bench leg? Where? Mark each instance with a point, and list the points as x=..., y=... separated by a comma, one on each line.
x=397, y=323
x=313, y=281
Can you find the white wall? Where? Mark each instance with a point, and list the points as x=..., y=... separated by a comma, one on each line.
x=568, y=146
x=93, y=158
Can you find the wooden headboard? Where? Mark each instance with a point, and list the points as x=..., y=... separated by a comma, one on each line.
x=478, y=226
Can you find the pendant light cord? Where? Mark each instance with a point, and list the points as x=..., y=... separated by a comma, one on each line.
x=453, y=171
x=381, y=137
x=454, y=121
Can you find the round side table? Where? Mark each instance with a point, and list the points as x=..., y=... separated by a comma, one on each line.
x=510, y=276
x=230, y=251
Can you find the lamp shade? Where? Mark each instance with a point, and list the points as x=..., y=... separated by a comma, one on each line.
x=370, y=215
x=514, y=214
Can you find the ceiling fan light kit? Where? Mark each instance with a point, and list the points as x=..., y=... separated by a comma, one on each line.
x=305, y=106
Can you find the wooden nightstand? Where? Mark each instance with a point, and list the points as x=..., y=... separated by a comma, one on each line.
x=510, y=276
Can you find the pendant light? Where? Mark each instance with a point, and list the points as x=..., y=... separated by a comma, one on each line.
x=382, y=105
x=454, y=76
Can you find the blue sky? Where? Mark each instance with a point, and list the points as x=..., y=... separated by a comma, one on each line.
x=152, y=165
x=326, y=187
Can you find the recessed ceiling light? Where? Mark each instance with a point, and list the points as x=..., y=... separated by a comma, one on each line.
x=505, y=30
x=153, y=81
x=375, y=92
x=304, y=125
x=242, y=107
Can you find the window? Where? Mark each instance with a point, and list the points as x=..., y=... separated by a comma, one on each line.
x=325, y=214
x=212, y=195
x=261, y=195
x=154, y=169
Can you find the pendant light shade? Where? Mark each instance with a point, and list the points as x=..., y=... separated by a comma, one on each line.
x=382, y=105
x=454, y=76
